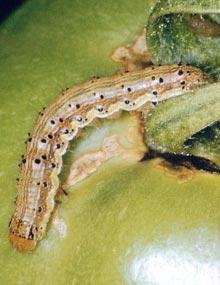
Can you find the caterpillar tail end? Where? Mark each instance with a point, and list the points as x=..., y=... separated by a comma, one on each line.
x=22, y=244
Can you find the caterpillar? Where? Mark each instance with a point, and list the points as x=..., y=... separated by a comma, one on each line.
x=60, y=122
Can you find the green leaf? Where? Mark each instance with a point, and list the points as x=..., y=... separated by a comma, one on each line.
x=187, y=31
x=171, y=40
x=176, y=120
x=206, y=143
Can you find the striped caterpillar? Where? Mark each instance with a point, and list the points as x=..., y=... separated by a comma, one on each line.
x=59, y=123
